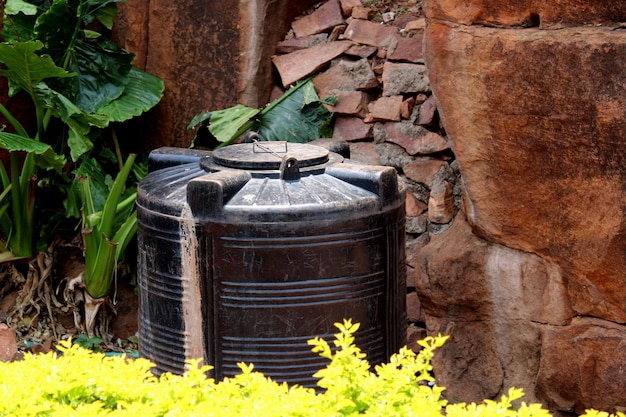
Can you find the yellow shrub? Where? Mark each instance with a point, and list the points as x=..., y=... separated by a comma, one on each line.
x=84, y=383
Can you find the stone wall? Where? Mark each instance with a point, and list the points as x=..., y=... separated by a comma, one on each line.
x=530, y=279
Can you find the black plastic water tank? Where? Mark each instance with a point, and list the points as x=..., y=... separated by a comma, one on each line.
x=247, y=252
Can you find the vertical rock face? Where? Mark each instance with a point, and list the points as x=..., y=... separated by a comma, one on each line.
x=211, y=55
x=536, y=118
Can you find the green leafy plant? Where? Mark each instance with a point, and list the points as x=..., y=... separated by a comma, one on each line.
x=84, y=382
x=107, y=230
x=87, y=342
x=76, y=77
x=297, y=116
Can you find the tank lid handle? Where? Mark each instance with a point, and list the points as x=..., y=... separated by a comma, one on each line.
x=207, y=195
x=380, y=180
x=289, y=169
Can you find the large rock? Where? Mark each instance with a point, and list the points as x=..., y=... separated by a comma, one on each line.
x=527, y=13
x=536, y=119
x=493, y=302
x=582, y=366
x=538, y=132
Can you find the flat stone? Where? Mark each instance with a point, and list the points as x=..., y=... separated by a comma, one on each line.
x=370, y=33
x=386, y=109
x=400, y=78
x=427, y=112
x=413, y=206
x=415, y=139
x=407, y=108
x=350, y=103
x=300, y=64
x=8, y=343
x=364, y=13
x=345, y=75
x=337, y=32
x=296, y=44
x=407, y=49
x=441, y=202
x=364, y=152
x=321, y=20
x=348, y=5
x=415, y=26
x=414, y=311
x=423, y=170
x=392, y=155
x=351, y=129
x=388, y=17
x=416, y=225
x=363, y=51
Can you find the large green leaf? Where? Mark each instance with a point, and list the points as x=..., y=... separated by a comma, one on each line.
x=13, y=7
x=100, y=65
x=63, y=108
x=226, y=125
x=100, y=183
x=102, y=70
x=46, y=157
x=77, y=140
x=56, y=28
x=142, y=92
x=103, y=10
x=18, y=28
x=26, y=69
x=298, y=116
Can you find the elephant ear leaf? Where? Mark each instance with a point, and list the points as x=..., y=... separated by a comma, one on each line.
x=226, y=125
x=298, y=116
x=142, y=92
x=45, y=157
x=24, y=68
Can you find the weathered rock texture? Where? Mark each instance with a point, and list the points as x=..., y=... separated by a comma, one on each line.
x=536, y=119
x=211, y=55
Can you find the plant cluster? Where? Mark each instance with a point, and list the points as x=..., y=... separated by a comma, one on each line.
x=81, y=86
x=81, y=382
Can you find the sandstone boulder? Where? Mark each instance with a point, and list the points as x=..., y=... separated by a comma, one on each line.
x=493, y=302
x=8, y=343
x=540, y=146
x=527, y=13
x=582, y=366
x=535, y=119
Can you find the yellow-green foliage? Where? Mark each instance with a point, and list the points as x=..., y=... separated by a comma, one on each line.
x=84, y=383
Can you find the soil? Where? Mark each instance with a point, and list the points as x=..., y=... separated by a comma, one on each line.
x=42, y=310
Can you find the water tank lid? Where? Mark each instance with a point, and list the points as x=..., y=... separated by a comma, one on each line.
x=268, y=155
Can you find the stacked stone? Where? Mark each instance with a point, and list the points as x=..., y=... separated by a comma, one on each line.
x=384, y=108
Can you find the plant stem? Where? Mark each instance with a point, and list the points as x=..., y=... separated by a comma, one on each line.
x=72, y=44
x=13, y=121
x=118, y=152
x=14, y=237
